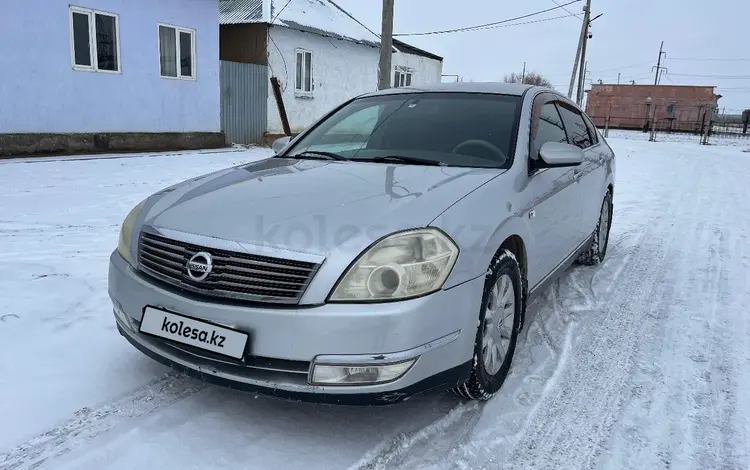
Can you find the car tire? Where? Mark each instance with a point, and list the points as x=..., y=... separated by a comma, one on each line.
x=598, y=249
x=487, y=376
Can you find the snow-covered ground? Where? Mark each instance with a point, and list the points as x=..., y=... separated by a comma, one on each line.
x=721, y=140
x=640, y=363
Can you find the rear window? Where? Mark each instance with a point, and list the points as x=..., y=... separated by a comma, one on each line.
x=456, y=129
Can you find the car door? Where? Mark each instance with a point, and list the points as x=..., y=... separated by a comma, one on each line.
x=595, y=181
x=590, y=172
x=554, y=195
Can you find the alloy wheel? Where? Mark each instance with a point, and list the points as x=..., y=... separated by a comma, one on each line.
x=498, y=324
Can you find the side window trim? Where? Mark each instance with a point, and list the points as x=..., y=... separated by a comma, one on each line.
x=592, y=128
x=539, y=102
x=557, y=104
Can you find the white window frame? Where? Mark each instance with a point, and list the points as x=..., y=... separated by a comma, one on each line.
x=178, y=45
x=301, y=91
x=93, y=46
x=402, y=75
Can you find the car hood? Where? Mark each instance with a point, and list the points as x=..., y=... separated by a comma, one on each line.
x=310, y=206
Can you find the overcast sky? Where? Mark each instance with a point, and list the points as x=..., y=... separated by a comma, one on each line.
x=625, y=40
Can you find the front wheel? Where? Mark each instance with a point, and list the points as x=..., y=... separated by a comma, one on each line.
x=499, y=324
x=598, y=249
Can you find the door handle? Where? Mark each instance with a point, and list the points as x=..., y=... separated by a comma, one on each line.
x=577, y=174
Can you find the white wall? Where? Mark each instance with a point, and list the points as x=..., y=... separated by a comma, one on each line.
x=341, y=70
x=424, y=70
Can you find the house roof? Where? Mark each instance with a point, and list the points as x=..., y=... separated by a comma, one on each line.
x=240, y=11
x=315, y=16
x=403, y=47
x=322, y=17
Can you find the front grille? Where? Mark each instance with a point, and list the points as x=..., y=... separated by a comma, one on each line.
x=239, y=276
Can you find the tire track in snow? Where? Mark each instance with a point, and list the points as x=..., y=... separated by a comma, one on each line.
x=88, y=423
x=430, y=445
x=553, y=330
x=560, y=430
x=440, y=436
x=687, y=368
x=573, y=418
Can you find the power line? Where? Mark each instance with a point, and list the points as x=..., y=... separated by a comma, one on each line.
x=708, y=59
x=577, y=15
x=522, y=23
x=282, y=9
x=722, y=77
x=623, y=67
x=626, y=79
x=486, y=25
x=346, y=12
x=484, y=28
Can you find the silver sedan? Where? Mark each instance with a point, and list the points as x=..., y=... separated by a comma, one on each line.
x=388, y=250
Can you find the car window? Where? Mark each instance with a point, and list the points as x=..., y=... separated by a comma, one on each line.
x=352, y=132
x=592, y=130
x=359, y=123
x=578, y=133
x=550, y=128
x=456, y=129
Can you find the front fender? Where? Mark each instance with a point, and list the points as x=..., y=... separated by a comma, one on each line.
x=478, y=242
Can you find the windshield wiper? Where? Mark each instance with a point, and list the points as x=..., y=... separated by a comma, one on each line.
x=402, y=159
x=315, y=153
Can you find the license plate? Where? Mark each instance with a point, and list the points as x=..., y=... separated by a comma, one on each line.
x=197, y=333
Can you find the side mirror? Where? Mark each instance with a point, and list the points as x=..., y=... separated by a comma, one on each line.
x=558, y=154
x=280, y=143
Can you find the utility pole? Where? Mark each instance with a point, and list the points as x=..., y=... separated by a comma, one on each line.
x=618, y=78
x=584, y=33
x=523, y=74
x=582, y=76
x=386, y=46
x=658, y=64
x=582, y=80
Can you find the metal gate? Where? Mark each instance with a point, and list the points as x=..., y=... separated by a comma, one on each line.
x=244, y=101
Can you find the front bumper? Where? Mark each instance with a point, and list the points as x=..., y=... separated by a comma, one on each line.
x=285, y=343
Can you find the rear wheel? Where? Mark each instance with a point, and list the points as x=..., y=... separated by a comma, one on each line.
x=598, y=249
x=499, y=324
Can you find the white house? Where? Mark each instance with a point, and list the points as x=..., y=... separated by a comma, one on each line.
x=320, y=54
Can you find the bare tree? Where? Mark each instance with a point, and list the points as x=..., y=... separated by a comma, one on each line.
x=531, y=78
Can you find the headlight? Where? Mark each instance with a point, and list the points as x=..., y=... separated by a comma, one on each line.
x=126, y=233
x=401, y=266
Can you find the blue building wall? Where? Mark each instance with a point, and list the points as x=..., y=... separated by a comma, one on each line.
x=41, y=92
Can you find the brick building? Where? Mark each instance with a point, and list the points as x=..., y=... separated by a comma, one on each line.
x=674, y=107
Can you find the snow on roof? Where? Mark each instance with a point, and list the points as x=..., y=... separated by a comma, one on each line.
x=316, y=16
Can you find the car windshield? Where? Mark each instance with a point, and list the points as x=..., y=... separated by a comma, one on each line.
x=452, y=129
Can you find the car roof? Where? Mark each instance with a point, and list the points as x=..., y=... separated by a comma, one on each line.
x=499, y=88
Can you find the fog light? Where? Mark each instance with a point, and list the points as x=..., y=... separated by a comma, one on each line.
x=122, y=316
x=324, y=374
